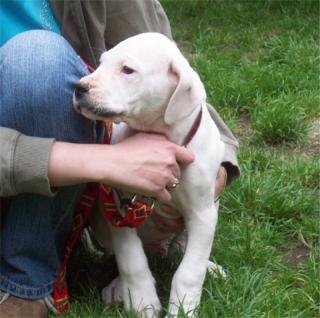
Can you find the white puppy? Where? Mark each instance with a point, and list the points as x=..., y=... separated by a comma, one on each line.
x=146, y=83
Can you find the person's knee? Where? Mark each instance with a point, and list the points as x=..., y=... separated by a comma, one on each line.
x=40, y=44
x=44, y=69
x=41, y=53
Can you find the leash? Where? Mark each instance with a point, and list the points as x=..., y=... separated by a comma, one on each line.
x=128, y=213
x=83, y=210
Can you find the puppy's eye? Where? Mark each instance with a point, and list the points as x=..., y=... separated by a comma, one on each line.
x=127, y=70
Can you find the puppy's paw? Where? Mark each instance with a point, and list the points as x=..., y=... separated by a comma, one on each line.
x=143, y=300
x=112, y=293
x=148, y=312
x=173, y=312
x=216, y=270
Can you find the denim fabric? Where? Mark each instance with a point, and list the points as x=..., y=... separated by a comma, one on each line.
x=38, y=71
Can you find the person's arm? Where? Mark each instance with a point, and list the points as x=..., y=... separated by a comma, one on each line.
x=23, y=163
x=144, y=164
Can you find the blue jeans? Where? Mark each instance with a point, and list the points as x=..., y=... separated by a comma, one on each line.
x=38, y=71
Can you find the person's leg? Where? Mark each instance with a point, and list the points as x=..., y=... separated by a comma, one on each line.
x=38, y=71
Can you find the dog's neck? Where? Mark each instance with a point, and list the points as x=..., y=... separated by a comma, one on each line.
x=182, y=132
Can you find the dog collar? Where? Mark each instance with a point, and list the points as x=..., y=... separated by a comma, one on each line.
x=193, y=129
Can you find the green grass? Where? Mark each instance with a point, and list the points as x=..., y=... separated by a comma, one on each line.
x=259, y=61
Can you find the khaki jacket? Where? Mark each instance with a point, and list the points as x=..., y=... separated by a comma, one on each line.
x=91, y=27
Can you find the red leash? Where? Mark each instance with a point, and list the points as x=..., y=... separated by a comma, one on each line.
x=83, y=211
x=136, y=212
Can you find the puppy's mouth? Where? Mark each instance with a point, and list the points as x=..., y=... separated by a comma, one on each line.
x=94, y=111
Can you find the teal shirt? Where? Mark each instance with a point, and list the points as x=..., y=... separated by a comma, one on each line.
x=17, y=16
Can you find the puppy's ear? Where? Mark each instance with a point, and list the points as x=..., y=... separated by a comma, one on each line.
x=189, y=92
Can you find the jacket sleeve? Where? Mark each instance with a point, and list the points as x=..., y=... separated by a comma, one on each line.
x=131, y=17
x=229, y=161
x=23, y=163
x=148, y=16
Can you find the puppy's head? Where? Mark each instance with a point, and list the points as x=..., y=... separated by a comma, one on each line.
x=143, y=80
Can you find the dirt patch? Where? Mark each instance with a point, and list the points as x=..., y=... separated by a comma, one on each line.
x=313, y=139
x=186, y=48
x=244, y=126
x=294, y=253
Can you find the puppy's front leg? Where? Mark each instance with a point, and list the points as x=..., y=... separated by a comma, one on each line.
x=188, y=280
x=137, y=284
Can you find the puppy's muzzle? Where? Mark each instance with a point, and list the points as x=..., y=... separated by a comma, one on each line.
x=80, y=96
x=84, y=104
x=81, y=90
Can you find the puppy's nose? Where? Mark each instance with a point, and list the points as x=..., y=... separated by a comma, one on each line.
x=81, y=90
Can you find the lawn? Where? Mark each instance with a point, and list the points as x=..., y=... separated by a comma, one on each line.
x=259, y=61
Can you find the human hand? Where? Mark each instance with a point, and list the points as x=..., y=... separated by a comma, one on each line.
x=145, y=164
x=167, y=225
